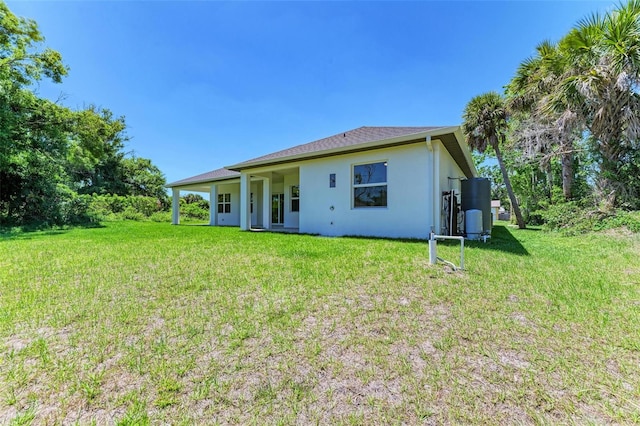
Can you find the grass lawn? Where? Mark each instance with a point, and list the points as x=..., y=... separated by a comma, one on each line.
x=137, y=323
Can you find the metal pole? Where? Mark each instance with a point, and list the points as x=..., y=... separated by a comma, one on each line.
x=433, y=251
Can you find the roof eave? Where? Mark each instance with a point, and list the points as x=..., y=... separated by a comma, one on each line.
x=465, y=150
x=196, y=182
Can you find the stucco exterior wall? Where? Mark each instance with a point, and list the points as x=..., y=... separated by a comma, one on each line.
x=291, y=218
x=449, y=169
x=330, y=211
x=233, y=218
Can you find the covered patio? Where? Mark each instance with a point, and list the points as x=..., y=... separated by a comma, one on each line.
x=261, y=201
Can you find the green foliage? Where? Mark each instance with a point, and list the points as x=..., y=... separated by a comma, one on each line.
x=21, y=62
x=118, y=207
x=572, y=218
x=194, y=211
x=197, y=199
x=161, y=217
x=622, y=219
x=95, y=152
x=485, y=125
x=584, y=88
x=569, y=218
x=142, y=178
x=49, y=154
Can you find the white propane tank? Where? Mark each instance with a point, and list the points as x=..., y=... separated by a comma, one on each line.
x=473, y=224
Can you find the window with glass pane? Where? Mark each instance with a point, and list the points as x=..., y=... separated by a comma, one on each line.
x=224, y=203
x=370, y=185
x=365, y=174
x=295, y=198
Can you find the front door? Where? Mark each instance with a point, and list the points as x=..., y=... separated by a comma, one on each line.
x=277, y=209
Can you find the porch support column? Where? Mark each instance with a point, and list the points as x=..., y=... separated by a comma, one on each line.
x=266, y=203
x=213, y=205
x=245, y=201
x=175, y=206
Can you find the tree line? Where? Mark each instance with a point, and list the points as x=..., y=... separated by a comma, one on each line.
x=52, y=157
x=565, y=131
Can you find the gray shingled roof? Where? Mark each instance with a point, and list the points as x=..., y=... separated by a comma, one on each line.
x=346, y=139
x=218, y=174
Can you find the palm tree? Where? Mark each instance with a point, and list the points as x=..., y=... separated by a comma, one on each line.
x=544, y=132
x=485, y=124
x=603, y=53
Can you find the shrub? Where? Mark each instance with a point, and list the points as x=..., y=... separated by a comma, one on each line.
x=146, y=206
x=194, y=211
x=573, y=218
x=161, y=217
x=622, y=219
x=76, y=210
x=117, y=207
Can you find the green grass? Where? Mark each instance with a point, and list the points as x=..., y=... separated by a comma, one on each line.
x=140, y=323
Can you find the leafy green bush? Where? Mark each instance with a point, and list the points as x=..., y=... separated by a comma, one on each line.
x=130, y=213
x=104, y=205
x=622, y=219
x=146, y=206
x=76, y=210
x=573, y=218
x=161, y=217
x=194, y=211
x=117, y=207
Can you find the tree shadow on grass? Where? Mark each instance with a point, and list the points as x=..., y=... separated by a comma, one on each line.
x=28, y=232
x=502, y=239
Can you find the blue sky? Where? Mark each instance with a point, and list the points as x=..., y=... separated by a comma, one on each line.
x=207, y=84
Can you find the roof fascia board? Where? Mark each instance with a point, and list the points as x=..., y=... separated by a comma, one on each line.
x=228, y=179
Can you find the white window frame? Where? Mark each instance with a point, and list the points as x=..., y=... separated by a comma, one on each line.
x=224, y=201
x=354, y=186
x=294, y=198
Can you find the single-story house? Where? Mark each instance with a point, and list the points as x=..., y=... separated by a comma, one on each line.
x=370, y=181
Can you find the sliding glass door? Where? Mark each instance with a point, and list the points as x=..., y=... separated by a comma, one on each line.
x=277, y=209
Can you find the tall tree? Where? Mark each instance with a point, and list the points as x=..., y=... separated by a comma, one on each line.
x=543, y=133
x=142, y=177
x=95, y=153
x=49, y=153
x=22, y=60
x=603, y=52
x=32, y=130
x=485, y=124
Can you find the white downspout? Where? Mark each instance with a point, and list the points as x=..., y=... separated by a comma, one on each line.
x=436, y=187
x=430, y=187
